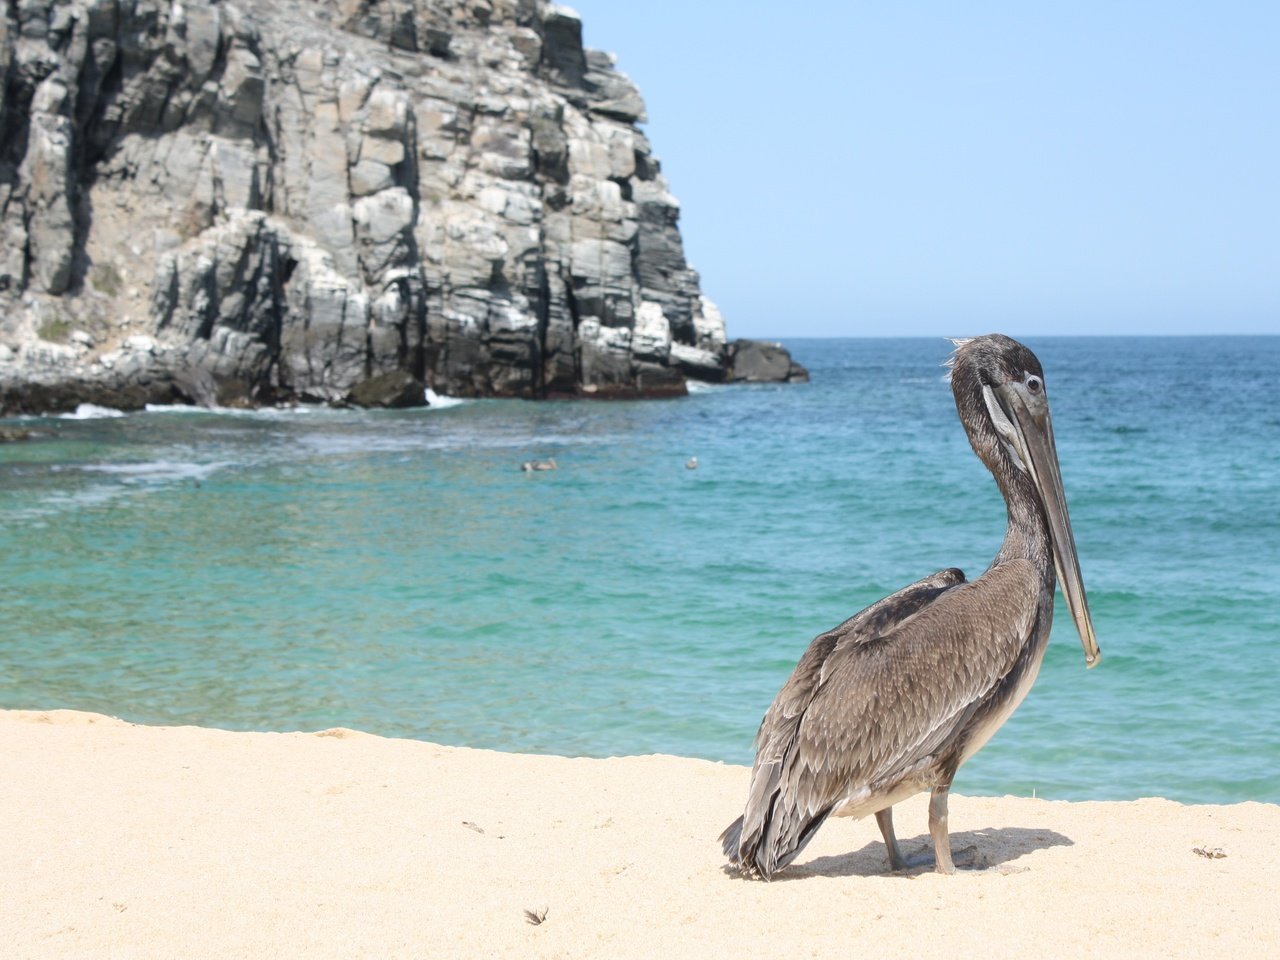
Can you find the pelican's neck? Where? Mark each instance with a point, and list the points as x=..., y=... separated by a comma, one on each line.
x=1027, y=535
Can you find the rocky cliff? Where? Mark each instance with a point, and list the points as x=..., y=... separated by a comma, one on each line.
x=289, y=200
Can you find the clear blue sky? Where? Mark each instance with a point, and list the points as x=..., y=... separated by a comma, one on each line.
x=944, y=168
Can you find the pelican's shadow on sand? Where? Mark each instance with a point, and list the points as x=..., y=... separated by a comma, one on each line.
x=992, y=848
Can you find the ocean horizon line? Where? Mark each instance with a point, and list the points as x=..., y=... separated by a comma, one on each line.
x=1022, y=336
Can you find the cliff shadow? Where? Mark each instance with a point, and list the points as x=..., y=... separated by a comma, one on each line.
x=991, y=848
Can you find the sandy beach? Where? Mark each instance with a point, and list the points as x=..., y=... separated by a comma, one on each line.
x=123, y=841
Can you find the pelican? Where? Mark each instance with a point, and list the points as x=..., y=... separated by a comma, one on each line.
x=892, y=701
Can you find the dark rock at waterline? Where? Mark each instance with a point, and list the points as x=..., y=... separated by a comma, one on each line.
x=63, y=396
x=762, y=361
x=396, y=389
x=651, y=382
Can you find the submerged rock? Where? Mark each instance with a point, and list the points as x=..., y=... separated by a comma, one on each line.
x=254, y=203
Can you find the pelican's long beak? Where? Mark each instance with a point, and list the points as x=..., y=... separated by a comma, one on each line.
x=1032, y=436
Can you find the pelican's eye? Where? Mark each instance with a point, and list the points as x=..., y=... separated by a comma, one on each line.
x=1034, y=384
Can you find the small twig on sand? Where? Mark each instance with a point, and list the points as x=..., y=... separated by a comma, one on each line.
x=1210, y=853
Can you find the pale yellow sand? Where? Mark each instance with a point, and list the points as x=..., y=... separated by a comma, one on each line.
x=130, y=841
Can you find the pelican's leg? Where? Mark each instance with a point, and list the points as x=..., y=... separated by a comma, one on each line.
x=884, y=819
x=938, y=828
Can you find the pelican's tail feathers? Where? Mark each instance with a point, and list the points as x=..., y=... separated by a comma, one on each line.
x=730, y=839
x=765, y=849
x=784, y=857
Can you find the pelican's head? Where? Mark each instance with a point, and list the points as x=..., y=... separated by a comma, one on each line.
x=1002, y=401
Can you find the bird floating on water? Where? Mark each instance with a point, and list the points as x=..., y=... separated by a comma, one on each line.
x=892, y=701
x=691, y=463
x=531, y=466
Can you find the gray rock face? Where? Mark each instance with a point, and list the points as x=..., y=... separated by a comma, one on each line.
x=756, y=361
x=281, y=200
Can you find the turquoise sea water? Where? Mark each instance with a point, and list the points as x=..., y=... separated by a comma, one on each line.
x=396, y=572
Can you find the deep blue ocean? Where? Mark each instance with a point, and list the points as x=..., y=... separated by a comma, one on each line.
x=398, y=573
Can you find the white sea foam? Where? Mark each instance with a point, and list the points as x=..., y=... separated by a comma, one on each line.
x=701, y=386
x=93, y=496
x=439, y=401
x=158, y=471
x=264, y=413
x=91, y=411
x=191, y=408
x=55, y=504
x=119, y=480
